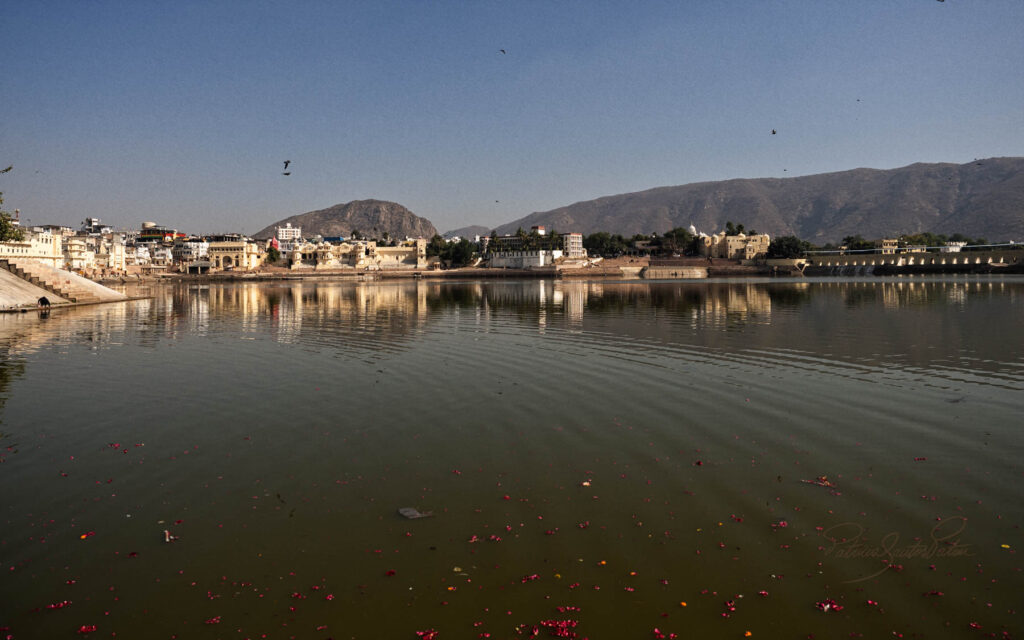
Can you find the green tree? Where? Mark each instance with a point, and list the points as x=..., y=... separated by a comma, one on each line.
x=678, y=240
x=857, y=243
x=603, y=243
x=788, y=247
x=925, y=239
x=8, y=230
x=436, y=246
x=555, y=240
x=733, y=230
x=461, y=253
x=532, y=242
x=273, y=255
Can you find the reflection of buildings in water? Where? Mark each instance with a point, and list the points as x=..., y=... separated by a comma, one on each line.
x=378, y=311
x=198, y=306
x=902, y=294
x=93, y=325
x=956, y=294
x=750, y=302
x=317, y=306
x=572, y=297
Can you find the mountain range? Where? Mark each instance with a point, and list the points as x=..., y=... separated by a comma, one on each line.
x=983, y=198
x=980, y=199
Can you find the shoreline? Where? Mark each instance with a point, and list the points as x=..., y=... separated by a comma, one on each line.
x=684, y=269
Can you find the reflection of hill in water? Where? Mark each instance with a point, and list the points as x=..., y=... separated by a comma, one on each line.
x=883, y=323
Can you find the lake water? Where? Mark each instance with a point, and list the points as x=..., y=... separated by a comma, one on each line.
x=594, y=454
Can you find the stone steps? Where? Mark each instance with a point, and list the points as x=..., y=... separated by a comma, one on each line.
x=44, y=279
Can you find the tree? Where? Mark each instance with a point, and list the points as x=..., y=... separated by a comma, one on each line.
x=603, y=243
x=436, y=246
x=857, y=243
x=9, y=232
x=555, y=241
x=678, y=240
x=532, y=242
x=461, y=253
x=273, y=255
x=731, y=230
x=923, y=239
x=788, y=247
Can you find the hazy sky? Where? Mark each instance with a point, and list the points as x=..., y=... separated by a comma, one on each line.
x=183, y=112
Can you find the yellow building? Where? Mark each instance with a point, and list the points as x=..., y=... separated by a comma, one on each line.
x=737, y=247
x=888, y=245
x=237, y=255
x=363, y=255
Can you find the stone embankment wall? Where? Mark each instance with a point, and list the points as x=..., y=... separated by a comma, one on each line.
x=916, y=263
x=918, y=259
x=664, y=273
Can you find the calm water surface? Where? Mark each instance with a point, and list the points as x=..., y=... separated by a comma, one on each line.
x=748, y=449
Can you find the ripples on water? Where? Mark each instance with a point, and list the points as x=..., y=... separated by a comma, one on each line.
x=633, y=446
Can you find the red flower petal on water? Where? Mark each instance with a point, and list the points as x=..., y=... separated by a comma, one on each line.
x=87, y=628
x=828, y=605
x=213, y=620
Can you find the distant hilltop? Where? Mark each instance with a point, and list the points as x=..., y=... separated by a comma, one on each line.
x=372, y=218
x=983, y=198
x=469, y=232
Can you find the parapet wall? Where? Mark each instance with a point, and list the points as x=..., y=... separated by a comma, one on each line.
x=919, y=259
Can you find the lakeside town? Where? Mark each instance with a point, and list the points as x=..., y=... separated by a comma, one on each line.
x=101, y=253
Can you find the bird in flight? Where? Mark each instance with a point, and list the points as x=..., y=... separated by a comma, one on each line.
x=286, y=163
x=286, y=173
x=773, y=132
x=502, y=51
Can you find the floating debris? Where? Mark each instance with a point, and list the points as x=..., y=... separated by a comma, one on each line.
x=413, y=514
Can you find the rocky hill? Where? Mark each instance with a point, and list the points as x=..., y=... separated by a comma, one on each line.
x=469, y=232
x=372, y=218
x=984, y=198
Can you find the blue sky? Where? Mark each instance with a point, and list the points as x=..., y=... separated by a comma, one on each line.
x=183, y=113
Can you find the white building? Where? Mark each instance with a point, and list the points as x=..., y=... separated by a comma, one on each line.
x=38, y=245
x=536, y=249
x=190, y=250
x=160, y=256
x=524, y=258
x=139, y=254
x=289, y=238
x=78, y=255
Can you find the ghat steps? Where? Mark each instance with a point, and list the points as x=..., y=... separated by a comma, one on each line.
x=65, y=284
